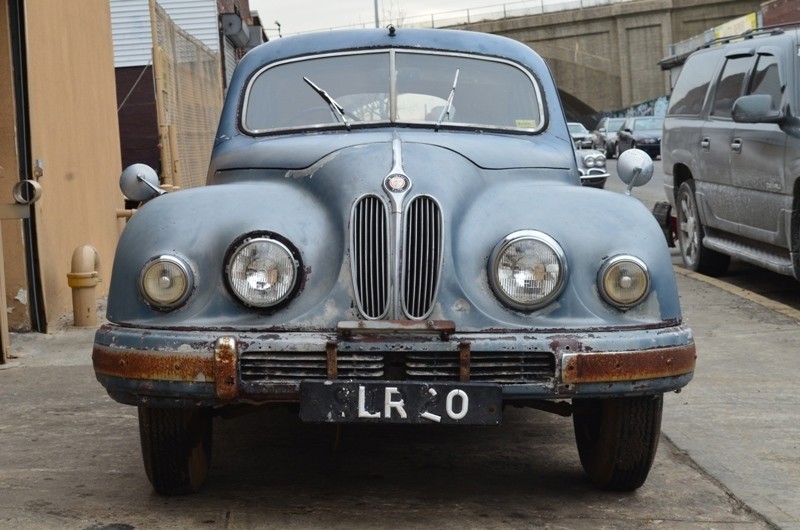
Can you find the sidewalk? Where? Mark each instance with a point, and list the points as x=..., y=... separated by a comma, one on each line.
x=739, y=418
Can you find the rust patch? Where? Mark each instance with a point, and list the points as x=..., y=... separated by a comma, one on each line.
x=628, y=366
x=443, y=328
x=131, y=364
x=332, y=357
x=463, y=361
x=225, y=377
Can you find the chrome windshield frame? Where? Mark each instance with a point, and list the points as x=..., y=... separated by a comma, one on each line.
x=393, y=97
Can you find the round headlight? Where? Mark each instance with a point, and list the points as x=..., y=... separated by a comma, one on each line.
x=588, y=161
x=262, y=272
x=624, y=281
x=527, y=269
x=166, y=282
x=600, y=160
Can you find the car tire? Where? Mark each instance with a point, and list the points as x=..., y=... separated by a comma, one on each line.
x=176, y=448
x=617, y=439
x=696, y=257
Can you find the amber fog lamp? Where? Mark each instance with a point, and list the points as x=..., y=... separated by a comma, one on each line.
x=624, y=281
x=166, y=282
x=262, y=272
x=528, y=270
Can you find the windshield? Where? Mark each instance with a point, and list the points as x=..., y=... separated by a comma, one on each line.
x=577, y=128
x=648, y=124
x=614, y=125
x=422, y=88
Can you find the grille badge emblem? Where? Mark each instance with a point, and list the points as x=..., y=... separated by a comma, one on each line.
x=397, y=183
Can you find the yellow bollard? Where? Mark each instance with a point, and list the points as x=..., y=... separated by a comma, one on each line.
x=84, y=276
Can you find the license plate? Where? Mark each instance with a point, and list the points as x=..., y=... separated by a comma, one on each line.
x=400, y=402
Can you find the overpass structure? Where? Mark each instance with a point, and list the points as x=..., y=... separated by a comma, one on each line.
x=605, y=57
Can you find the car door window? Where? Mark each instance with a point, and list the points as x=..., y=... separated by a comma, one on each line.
x=730, y=85
x=689, y=92
x=766, y=79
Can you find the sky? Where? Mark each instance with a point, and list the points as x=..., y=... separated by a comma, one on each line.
x=299, y=16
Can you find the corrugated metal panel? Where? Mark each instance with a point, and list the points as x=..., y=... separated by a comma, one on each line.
x=230, y=61
x=130, y=25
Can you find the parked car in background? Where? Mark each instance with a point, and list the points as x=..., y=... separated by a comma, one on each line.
x=592, y=165
x=643, y=133
x=604, y=137
x=393, y=230
x=580, y=135
x=731, y=153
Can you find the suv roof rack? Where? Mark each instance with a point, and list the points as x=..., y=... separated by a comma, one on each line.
x=776, y=29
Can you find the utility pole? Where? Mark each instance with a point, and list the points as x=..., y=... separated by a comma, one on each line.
x=377, y=19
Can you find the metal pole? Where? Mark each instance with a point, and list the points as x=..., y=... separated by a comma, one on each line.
x=377, y=19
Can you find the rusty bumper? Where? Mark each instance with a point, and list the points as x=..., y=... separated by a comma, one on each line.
x=203, y=368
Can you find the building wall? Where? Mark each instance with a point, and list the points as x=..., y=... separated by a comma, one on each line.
x=780, y=12
x=138, y=124
x=130, y=20
x=606, y=57
x=74, y=133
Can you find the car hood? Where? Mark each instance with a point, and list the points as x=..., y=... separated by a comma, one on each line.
x=299, y=152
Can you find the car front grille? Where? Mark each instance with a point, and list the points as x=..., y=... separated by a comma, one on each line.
x=370, y=256
x=490, y=367
x=423, y=255
x=372, y=238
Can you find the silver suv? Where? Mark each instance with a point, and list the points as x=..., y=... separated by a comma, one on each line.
x=731, y=153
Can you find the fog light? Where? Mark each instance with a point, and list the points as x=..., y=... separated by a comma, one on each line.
x=624, y=281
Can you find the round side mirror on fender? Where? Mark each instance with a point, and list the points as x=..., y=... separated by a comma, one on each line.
x=139, y=182
x=634, y=168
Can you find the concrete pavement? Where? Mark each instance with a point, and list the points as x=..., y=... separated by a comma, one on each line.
x=737, y=421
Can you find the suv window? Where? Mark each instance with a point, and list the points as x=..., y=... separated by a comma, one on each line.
x=766, y=79
x=730, y=85
x=690, y=90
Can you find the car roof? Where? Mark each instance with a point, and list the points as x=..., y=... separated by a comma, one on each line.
x=452, y=41
x=412, y=39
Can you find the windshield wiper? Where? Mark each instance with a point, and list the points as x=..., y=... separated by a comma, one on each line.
x=446, y=110
x=337, y=109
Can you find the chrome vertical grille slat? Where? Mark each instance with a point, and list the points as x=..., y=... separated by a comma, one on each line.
x=370, y=256
x=423, y=256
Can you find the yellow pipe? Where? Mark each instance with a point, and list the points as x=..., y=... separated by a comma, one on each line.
x=83, y=278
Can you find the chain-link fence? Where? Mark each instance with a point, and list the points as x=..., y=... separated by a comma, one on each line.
x=189, y=97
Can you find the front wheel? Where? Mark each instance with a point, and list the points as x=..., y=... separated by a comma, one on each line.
x=176, y=448
x=695, y=255
x=617, y=439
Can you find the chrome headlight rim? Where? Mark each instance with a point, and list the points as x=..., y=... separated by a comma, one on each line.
x=498, y=253
x=280, y=243
x=594, y=160
x=186, y=274
x=607, y=269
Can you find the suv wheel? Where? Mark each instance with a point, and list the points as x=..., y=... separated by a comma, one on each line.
x=609, y=151
x=176, y=448
x=617, y=439
x=695, y=256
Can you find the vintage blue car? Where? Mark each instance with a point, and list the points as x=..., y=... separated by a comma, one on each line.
x=394, y=230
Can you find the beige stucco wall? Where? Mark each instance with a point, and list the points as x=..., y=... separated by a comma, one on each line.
x=74, y=132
